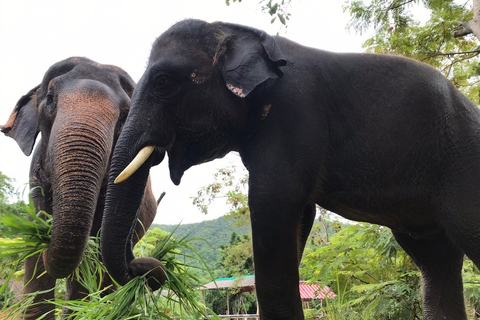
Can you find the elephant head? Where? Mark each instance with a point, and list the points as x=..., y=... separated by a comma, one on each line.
x=79, y=109
x=190, y=104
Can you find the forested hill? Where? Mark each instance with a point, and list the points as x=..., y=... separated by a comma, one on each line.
x=215, y=233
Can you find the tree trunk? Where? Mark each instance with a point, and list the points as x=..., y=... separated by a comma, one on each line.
x=472, y=26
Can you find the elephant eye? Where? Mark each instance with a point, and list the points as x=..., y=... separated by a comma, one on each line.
x=50, y=104
x=161, y=82
x=49, y=97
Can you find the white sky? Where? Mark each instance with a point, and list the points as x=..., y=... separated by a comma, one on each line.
x=36, y=34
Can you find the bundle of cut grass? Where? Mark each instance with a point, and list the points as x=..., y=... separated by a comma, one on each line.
x=31, y=236
x=135, y=300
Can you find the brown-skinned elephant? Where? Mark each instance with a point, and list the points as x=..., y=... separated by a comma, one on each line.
x=374, y=138
x=79, y=108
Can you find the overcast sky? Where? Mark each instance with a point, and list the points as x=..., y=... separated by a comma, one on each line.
x=36, y=34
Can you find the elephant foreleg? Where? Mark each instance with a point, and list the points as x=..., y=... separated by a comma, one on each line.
x=36, y=279
x=75, y=291
x=276, y=270
x=440, y=262
x=304, y=228
x=276, y=246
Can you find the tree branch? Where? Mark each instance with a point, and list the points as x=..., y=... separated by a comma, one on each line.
x=475, y=52
x=361, y=269
x=464, y=31
x=400, y=5
x=472, y=26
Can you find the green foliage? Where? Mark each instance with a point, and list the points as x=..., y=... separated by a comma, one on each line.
x=227, y=254
x=276, y=9
x=7, y=195
x=6, y=188
x=231, y=184
x=237, y=257
x=134, y=300
x=471, y=286
x=239, y=302
x=181, y=282
x=372, y=276
x=32, y=236
x=214, y=234
x=7, y=298
x=11, y=250
x=398, y=31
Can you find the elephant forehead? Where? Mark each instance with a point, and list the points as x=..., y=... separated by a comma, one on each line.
x=193, y=42
x=88, y=88
x=92, y=95
x=181, y=52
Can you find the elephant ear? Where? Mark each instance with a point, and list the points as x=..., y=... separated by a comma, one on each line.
x=22, y=125
x=127, y=84
x=250, y=57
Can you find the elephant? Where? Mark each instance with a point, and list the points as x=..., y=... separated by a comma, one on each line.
x=80, y=108
x=376, y=138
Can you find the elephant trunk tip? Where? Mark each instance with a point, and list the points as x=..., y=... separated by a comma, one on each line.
x=153, y=269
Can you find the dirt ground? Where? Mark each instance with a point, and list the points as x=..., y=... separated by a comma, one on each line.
x=5, y=314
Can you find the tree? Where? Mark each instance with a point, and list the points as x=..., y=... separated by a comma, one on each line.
x=9, y=205
x=439, y=40
x=229, y=183
x=237, y=257
x=7, y=190
x=471, y=26
x=237, y=261
x=9, y=200
x=372, y=276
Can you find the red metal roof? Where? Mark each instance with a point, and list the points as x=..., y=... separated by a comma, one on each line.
x=307, y=291
x=313, y=291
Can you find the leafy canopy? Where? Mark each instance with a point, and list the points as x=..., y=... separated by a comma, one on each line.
x=423, y=30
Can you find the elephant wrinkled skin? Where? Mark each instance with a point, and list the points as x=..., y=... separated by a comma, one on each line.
x=374, y=138
x=79, y=108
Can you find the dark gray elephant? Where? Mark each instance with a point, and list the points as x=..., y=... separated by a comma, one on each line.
x=374, y=138
x=79, y=108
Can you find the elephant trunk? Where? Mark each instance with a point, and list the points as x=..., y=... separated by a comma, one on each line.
x=122, y=203
x=79, y=161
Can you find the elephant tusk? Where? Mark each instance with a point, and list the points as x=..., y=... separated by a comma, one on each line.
x=133, y=166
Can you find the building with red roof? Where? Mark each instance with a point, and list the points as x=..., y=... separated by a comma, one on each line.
x=308, y=292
